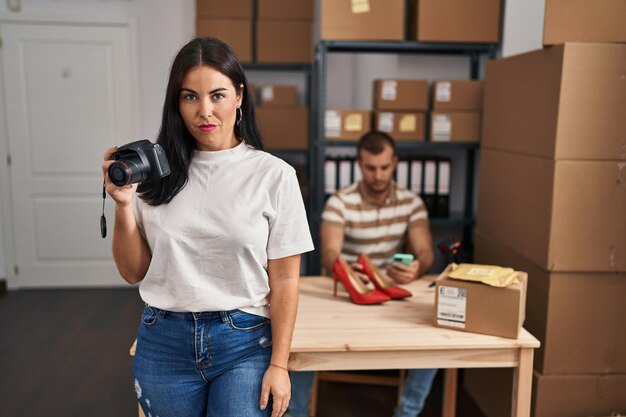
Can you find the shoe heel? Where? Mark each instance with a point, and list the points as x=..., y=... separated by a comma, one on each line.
x=358, y=292
x=380, y=281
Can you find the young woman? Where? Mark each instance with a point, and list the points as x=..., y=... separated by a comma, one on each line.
x=216, y=247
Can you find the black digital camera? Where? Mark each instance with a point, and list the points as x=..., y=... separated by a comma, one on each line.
x=138, y=162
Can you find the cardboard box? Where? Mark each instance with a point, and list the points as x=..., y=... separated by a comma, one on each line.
x=284, y=128
x=552, y=395
x=480, y=308
x=560, y=215
x=284, y=41
x=476, y=21
x=374, y=20
x=584, y=21
x=212, y=9
x=237, y=33
x=563, y=102
x=457, y=95
x=347, y=124
x=447, y=126
x=577, y=316
x=401, y=126
x=578, y=395
x=285, y=9
x=393, y=94
x=278, y=96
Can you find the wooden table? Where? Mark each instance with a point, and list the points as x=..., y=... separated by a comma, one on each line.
x=332, y=333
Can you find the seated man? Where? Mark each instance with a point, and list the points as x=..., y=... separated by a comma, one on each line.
x=376, y=217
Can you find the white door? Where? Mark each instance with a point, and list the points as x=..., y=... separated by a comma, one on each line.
x=68, y=98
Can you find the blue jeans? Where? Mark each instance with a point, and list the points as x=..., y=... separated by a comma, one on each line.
x=416, y=388
x=301, y=385
x=201, y=364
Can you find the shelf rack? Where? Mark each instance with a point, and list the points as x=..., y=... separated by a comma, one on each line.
x=318, y=143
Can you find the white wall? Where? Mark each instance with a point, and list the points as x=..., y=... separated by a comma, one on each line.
x=161, y=28
x=165, y=25
x=522, y=26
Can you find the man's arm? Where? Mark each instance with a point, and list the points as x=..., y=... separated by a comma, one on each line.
x=331, y=235
x=421, y=245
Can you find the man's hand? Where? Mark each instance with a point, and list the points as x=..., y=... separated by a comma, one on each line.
x=403, y=274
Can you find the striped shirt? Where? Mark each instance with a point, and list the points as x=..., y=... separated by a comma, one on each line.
x=377, y=230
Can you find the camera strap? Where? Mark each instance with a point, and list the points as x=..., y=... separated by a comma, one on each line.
x=103, y=219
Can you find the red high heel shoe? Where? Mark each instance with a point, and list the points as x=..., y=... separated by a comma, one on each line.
x=381, y=281
x=359, y=293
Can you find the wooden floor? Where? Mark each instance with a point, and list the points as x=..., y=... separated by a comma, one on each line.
x=64, y=353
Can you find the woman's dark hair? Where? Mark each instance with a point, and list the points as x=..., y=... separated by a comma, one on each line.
x=174, y=137
x=374, y=142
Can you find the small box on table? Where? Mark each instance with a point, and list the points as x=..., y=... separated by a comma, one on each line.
x=480, y=308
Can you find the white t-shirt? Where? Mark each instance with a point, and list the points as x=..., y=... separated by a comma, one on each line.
x=211, y=243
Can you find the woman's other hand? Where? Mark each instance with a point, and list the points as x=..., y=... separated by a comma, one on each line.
x=276, y=382
x=121, y=195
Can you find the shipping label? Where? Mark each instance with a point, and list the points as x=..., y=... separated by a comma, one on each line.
x=385, y=122
x=408, y=123
x=353, y=122
x=360, y=6
x=443, y=92
x=451, y=306
x=267, y=93
x=442, y=128
x=389, y=90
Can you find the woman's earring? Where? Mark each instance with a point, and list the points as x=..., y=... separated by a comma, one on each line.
x=239, y=116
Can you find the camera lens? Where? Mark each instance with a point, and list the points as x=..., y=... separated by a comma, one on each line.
x=124, y=172
x=119, y=173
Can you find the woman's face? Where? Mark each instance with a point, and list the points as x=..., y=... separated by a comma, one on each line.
x=208, y=105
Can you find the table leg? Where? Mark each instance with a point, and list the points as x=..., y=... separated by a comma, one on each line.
x=141, y=414
x=449, y=392
x=522, y=384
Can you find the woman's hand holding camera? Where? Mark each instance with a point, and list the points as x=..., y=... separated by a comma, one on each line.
x=121, y=195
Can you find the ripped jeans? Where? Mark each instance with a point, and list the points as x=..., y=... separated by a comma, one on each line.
x=208, y=364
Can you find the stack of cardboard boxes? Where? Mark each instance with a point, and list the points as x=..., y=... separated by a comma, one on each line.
x=477, y=21
x=265, y=31
x=229, y=21
x=283, y=122
x=284, y=31
x=456, y=114
x=399, y=108
x=552, y=202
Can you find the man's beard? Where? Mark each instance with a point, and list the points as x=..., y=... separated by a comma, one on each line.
x=378, y=191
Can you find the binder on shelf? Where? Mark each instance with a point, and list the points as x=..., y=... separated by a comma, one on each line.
x=330, y=177
x=345, y=173
x=430, y=186
x=416, y=184
x=357, y=171
x=402, y=174
x=443, y=189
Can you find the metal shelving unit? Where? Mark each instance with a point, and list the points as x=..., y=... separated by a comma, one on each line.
x=318, y=143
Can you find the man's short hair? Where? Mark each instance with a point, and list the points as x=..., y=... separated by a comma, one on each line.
x=374, y=142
